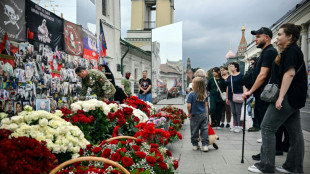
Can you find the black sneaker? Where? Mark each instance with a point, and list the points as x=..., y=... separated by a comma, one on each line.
x=222, y=125
x=279, y=153
x=227, y=125
x=256, y=157
x=253, y=129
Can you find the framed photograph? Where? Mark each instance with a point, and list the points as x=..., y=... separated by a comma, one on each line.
x=41, y=46
x=23, y=49
x=26, y=102
x=33, y=103
x=9, y=106
x=43, y=104
x=65, y=87
x=19, y=61
x=28, y=71
x=17, y=107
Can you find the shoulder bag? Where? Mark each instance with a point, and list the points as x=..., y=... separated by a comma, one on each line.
x=223, y=94
x=271, y=90
x=237, y=98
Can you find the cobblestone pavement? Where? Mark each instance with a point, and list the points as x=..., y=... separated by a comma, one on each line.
x=227, y=159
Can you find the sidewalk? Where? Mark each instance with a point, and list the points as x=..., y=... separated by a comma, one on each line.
x=227, y=159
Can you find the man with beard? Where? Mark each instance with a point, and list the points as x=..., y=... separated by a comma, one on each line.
x=262, y=69
x=126, y=85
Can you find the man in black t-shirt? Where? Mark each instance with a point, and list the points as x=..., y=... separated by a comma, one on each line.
x=145, y=86
x=262, y=70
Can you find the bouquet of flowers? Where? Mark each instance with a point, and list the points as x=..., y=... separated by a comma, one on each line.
x=149, y=132
x=24, y=155
x=135, y=102
x=136, y=156
x=60, y=136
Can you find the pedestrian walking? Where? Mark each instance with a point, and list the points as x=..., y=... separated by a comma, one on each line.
x=226, y=112
x=289, y=72
x=216, y=86
x=235, y=88
x=197, y=107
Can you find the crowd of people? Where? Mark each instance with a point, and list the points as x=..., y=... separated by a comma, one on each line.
x=229, y=89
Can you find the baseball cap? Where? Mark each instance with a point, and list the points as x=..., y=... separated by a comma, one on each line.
x=262, y=30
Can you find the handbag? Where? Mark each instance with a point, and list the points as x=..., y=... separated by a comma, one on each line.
x=223, y=94
x=237, y=98
x=271, y=91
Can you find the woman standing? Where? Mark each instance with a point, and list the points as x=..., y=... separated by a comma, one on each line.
x=289, y=72
x=216, y=86
x=226, y=109
x=235, y=86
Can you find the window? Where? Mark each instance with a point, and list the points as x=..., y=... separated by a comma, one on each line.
x=104, y=7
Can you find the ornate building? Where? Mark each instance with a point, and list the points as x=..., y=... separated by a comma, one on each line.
x=189, y=71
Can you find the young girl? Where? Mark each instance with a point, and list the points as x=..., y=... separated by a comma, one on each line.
x=197, y=106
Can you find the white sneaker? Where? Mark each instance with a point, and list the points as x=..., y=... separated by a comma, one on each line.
x=232, y=129
x=237, y=130
x=205, y=148
x=218, y=127
x=195, y=148
x=281, y=169
x=254, y=169
x=260, y=140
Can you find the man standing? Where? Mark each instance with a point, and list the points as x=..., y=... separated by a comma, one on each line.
x=97, y=81
x=145, y=86
x=126, y=85
x=262, y=69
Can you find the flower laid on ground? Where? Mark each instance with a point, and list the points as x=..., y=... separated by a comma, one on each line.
x=24, y=155
x=136, y=156
x=135, y=102
x=60, y=135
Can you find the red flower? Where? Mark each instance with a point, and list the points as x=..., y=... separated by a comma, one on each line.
x=81, y=152
x=128, y=111
x=135, y=147
x=115, y=172
x=80, y=112
x=153, y=145
x=96, y=150
x=175, y=121
x=121, y=150
x=140, y=154
x=163, y=165
x=106, y=153
x=114, y=142
x=116, y=157
x=168, y=153
x=111, y=116
x=175, y=164
x=127, y=161
x=89, y=146
x=159, y=157
x=179, y=135
x=115, y=131
x=136, y=119
x=151, y=160
x=139, y=141
x=121, y=121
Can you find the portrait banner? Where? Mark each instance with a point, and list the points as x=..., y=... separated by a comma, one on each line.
x=12, y=19
x=73, y=39
x=44, y=26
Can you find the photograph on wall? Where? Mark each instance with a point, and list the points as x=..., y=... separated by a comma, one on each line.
x=9, y=107
x=28, y=71
x=73, y=37
x=19, y=61
x=33, y=103
x=13, y=17
x=26, y=102
x=17, y=107
x=20, y=75
x=43, y=104
x=22, y=49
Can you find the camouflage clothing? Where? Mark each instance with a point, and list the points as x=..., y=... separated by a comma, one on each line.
x=99, y=84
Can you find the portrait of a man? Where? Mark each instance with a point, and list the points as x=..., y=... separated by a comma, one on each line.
x=43, y=104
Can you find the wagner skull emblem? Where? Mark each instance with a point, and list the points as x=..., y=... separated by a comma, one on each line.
x=10, y=12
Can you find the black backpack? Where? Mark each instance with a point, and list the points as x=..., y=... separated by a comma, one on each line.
x=249, y=78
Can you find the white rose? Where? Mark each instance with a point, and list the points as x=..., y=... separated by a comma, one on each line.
x=3, y=115
x=5, y=121
x=56, y=149
x=76, y=149
x=58, y=113
x=63, y=148
x=76, y=155
x=43, y=122
x=13, y=126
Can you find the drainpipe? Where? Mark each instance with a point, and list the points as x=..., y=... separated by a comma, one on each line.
x=122, y=59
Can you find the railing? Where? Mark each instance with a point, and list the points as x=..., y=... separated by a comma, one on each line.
x=149, y=24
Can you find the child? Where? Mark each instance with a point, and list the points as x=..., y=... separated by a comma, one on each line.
x=197, y=106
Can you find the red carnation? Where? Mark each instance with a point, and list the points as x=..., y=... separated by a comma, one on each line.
x=135, y=147
x=151, y=160
x=96, y=150
x=136, y=119
x=163, y=165
x=106, y=153
x=116, y=157
x=179, y=135
x=175, y=164
x=127, y=161
x=140, y=154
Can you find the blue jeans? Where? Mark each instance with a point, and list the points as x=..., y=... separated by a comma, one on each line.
x=274, y=118
x=199, y=122
x=146, y=97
